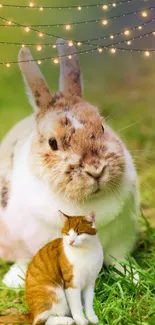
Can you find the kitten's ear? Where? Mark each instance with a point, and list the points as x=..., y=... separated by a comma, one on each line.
x=64, y=217
x=91, y=217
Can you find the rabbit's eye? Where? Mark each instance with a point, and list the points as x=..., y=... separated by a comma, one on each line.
x=53, y=144
x=103, y=128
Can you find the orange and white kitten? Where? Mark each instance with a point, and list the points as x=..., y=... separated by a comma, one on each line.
x=62, y=275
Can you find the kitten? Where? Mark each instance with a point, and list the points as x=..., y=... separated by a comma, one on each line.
x=62, y=275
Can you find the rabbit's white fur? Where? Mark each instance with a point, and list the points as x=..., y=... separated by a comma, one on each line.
x=30, y=217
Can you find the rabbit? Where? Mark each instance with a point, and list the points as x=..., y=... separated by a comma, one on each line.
x=63, y=157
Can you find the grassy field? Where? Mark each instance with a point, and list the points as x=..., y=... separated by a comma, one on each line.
x=123, y=88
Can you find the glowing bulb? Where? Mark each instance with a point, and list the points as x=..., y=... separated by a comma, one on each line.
x=40, y=34
x=105, y=7
x=104, y=22
x=78, y=43
x=39, y=61
x=153, y=33
x=144, y=14
x=114, y=4
x=127, y=32
x=147, y=53
x=9, y=22
x=27, y=29
x=56, y=61
x=41, y=9
x=54, y=46
x=111, y=36
x=23, y=45
x=68, y=27
x=8, y=65
x=113, y=51
x=129, y=42
x=39, y=47
x=69, y=57
x=100, y=50
x=79, y=8
x=70, y=43
x=140, y=27
x=31, y=4
x=1, y=6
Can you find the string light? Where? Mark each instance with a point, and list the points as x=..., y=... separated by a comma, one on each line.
x=153, y=33
x=54, y=46
x=144, y=14
x=113, y=51
x=39, y=47
x=23, y=45
x=41, y=9
x=104, y=22
x=56, y=61
x=31, y=4
x=147, y=53
x=127, y=32
x=100, y=50
x=105, y=7
x=41, y=34
x=140, y=27
x=8, y=65
x=27, y=29
x=39, y=62
x=79, y=8
x=79, y=43
x=69, y=57
x=111, y=36
x=1, y=6
x=9, y=22
x=128, y=42
x=68, y=27
x=70, y=43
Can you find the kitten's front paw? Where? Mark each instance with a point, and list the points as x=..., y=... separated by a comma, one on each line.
x=80, y=320
x=92, y=318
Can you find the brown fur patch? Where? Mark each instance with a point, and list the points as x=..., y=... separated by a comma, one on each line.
x=79, y=225
x=4, y=193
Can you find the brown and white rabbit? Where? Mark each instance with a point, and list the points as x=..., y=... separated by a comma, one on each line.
x=63, y=157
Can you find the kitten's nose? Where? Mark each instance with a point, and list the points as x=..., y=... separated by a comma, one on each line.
x=95, y=172
x=71, y=242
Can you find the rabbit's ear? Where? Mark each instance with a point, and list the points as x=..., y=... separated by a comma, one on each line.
x=39, y=94
x=70, y=78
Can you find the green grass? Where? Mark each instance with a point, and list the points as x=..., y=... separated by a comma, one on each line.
x=117, y=301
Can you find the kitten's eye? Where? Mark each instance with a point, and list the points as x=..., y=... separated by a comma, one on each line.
x=53, y=144
x=103, y=128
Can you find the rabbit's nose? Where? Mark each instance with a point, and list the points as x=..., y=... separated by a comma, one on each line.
x=95, y=172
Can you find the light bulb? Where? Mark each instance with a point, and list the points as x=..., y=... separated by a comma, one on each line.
x=144, y=14
x=104, y=22
x=105, y=7
x=79, y=8
x=8, y=65
x=23, y=45
x=114, y=4
x=127, y=32
x=147, y=53
x=56, y=61
x=41, y=9
x=100, y=50
x=153, y=33
x=1, y=6
x=27, y=29
x=140, y=27
x=39, y=47
x=9, y=22
x=70, y=43
x=69, y=57
x=54, y=46
x=40, y=34
x=129, y=42
x=68, y=27
x=113, y=51
x=31, y=5
x=78, y=43
x=39, y=61
x=111, y=36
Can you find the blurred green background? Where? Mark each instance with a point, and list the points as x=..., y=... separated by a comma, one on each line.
x=121, y=85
